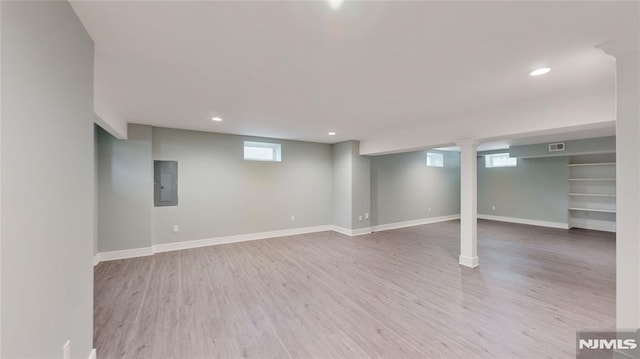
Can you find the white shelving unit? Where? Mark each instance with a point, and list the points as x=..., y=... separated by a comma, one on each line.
x=592, y=210
x=592, y=164
x=592, y=192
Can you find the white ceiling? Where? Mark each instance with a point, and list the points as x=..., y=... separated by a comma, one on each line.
x=395, y=75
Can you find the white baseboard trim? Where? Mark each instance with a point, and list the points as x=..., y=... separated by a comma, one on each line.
x=351, y=232
x=341, y=230
x=123, y=254
x=93, y=354
x=416, y=222
x=531, y=222
x=593, y=224
x=158, y=248
x=470, y=262
x=360, y=232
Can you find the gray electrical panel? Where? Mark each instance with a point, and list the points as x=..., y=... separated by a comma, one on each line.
x=165, y=180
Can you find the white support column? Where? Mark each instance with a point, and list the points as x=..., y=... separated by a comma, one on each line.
x=627, y=183
x=468, y=204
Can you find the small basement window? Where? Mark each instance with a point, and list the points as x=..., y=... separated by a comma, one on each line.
x=500, y=160
x=435, y=159
x=262, y=151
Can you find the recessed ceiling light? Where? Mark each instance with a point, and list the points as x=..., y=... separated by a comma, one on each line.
x=540, y=71
x=216, y=119
x=335, y=4
x=332, y=133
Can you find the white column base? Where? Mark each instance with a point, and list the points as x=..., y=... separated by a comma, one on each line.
x=470, y=262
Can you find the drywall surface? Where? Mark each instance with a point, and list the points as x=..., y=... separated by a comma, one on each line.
x=360, y=188
x=536, y=189
x=403, y=188
x=47, y=181
x=574, y=147
x=221, y=194
x=342, y=154
x=125, y=190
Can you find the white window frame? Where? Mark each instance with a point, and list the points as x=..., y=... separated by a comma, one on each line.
x=437, y=163
x=500, y=160
x=274, y=156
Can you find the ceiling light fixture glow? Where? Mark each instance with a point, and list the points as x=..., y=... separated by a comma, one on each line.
x=216, y=119
x=540, y=71
x=335, y=4
x=332, y=133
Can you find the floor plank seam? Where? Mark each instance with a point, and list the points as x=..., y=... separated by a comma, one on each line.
x=136, y=321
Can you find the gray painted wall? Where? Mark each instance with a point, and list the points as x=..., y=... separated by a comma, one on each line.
x=351, y=186
x=342, y=155
x=536, y=189
x=403, y=188
x=125, y=189
x=360, y=188
x=574, y=147
x=221, y=194
x=47, y=181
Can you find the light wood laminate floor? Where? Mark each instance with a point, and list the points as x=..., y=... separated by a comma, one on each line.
x=392, y=294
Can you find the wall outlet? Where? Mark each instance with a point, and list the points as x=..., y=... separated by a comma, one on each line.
x=493, y=208
x=66, y=350
x=176, y=228
x=293, y=218
x=360, y=218
x=366, y=215
x=429, y=209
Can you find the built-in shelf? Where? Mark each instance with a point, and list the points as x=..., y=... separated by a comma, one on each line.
x=592, y=188
x=592, y=164
x=593, y=210
x=592, y=194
